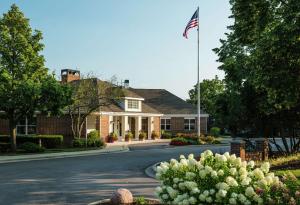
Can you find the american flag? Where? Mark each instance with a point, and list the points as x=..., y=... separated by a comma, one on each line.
x=192, y=23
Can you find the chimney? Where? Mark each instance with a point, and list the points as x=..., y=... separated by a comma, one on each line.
x=126, y=83
x=68, y=75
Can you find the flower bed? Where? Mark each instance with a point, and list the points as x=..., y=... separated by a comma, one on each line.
x=222, y=179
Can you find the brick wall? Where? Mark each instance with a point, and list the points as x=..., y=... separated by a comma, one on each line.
x=177, y=125
x=156, y=125
x=4, y=127
x=104, y=126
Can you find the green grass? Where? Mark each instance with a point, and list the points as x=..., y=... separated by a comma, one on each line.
x=284, y=160
x=296, y=172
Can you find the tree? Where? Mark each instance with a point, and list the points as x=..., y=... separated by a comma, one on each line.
x=89, y=95
x=25, y=86
x=210, y=90
x=260, y=58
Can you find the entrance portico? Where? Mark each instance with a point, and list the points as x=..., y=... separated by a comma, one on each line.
x=135, y=123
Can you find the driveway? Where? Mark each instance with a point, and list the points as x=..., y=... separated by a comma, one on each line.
x=81, y=180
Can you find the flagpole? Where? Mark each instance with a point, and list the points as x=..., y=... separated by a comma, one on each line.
x=198, y=80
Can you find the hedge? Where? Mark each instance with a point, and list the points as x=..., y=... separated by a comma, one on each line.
x=48, y=141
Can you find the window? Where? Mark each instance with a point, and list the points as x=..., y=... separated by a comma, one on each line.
x=165, y=124
x=26, y=126
x=133, y=104
x=189, y=124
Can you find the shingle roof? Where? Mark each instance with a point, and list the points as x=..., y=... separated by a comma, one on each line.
x=166, y=102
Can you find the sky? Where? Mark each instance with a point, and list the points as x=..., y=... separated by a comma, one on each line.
x=139, y=40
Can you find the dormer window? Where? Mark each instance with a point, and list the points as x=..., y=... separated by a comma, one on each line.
x=133, y=104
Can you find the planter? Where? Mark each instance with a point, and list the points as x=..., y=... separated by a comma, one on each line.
x=149, y=201
x=127, y=139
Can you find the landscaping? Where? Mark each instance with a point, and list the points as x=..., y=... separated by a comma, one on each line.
x=223, y=179
x=192, y=139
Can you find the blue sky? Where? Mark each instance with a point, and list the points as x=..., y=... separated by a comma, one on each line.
x=139, y=40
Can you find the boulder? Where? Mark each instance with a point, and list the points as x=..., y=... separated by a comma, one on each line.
x=121, y=196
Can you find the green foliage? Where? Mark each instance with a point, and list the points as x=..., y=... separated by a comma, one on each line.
x=142, y=136
x=215, y=131
x=140, y=201
x=128, y=136
x=30, y=147
x=4, y=147
x=210, y=90
x=91, y=142
x=179, y=141
x=154, y=135
x=93, y=134
x=260, y=58
x=25, y=85
x=166, y=134
x=112, y=137
x=48, y=141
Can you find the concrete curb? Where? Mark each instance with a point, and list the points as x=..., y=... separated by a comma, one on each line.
x=151, y=170
x=59, y=155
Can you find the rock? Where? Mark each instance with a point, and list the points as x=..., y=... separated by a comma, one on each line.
x=121, y=196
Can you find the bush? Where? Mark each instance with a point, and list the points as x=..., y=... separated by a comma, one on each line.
x=218, y=179
x=128, y=136
x=4, y=147
x=142, y=136
x=30, y=147
x=215, y=131
x=179, y=141
x=112, y=137
x=93, y=134
x=91, y=142
x=48, y=141
x=166, y=135
x=154, y=135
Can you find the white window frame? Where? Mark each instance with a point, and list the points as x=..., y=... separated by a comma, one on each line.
x=165, y=123
x=26, y=125
x=189, y=124
x=133, y=104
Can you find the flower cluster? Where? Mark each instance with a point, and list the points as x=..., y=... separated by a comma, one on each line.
x=214, y=179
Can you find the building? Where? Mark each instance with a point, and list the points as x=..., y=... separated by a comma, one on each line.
x=138, y=110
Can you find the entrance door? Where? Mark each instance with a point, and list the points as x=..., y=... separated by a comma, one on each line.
x=145, y=125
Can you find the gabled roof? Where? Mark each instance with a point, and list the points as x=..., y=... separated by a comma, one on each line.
x=166, y=102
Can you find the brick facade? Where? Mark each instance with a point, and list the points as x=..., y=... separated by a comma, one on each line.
x=104, y=126
x=157, y=125
x=177, y=125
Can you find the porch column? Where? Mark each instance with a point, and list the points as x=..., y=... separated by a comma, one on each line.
x=150, y=127
x=138, y=126
x=110, y=122
x=125, y=126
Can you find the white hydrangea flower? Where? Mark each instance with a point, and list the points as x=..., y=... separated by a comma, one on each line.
x=251, y=164
x=231, y=181
x=222, y=193
x=212, y=191
x=232, y=201
x=202, y=197
x=265, y=167
x=214, y=174
x=233, y=171
x=246, y=181
x=206, y=192
x=209, y=200
x=220, y=172
x=192, y=200
x=250, y=191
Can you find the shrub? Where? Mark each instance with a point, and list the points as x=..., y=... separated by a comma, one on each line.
x=30, y=147
x=166, y=135
x=208, y=139
x=93, y=134
x=4, y=147
x=215, y=131
x=218, y=179
x=78, y=142
x=142, y=136
x=179, y=141
x=91, y=142
x=154, y=135
x=112, y=137
x=128, y=136
x=48, y=141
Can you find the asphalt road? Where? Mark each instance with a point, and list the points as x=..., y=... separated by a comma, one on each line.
x=82, y=180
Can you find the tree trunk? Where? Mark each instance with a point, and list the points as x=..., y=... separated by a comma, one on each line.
x=13, y=134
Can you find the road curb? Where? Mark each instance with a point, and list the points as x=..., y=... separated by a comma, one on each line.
x=65, y=155
x=151, y=170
